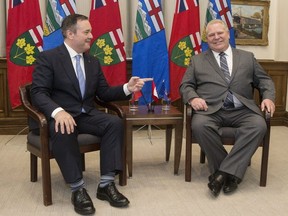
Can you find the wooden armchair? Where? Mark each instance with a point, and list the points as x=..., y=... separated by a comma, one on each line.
x=227, y=139
x=38, y=145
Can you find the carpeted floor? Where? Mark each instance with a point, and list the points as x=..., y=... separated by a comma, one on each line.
x=153, y=189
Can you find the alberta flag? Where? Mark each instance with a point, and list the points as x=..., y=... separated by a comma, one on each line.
x=219, y=9
x=108, y=44
x=23, y=44
x=185, y=42
x=150, y=55
x=57, y=10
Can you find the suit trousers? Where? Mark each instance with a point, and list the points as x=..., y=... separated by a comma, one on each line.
x=250, y=130
x=66, y=150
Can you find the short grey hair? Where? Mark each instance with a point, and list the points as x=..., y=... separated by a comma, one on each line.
x=214, y=21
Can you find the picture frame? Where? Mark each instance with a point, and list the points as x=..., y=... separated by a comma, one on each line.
x=250, y=21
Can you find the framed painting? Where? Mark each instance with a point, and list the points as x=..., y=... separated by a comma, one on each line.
x=251, y=21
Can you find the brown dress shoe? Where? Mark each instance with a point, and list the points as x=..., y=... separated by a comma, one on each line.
x=82, y=202
x=112, y=195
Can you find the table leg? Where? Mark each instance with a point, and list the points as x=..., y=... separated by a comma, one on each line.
x=129, y=147
x=168, y=141
x=178, y=146
x=123, y=174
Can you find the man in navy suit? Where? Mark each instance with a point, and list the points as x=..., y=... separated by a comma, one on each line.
x=56, y=92
x=205, y=86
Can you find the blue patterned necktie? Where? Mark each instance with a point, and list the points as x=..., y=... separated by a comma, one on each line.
x=80, y=75
x=228, y=103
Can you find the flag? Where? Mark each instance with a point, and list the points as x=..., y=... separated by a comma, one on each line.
x=137, y=95
x=163, y=93
x=57, y=10
x=155, y=96
x=184, y=42
x=23, y=43
x=219, y=9
x=108, y=44
x=149, y=54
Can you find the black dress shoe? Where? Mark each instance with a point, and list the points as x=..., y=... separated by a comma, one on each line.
x=112, y=195
x=231, y=184
x=82, y=202
x=216, y=184
x=212, y=177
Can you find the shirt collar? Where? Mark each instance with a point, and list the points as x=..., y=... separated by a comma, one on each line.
x=227, y=52
x=71, y=51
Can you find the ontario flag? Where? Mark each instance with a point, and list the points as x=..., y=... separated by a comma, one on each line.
x=219, y=9
x=184, y=42
x=150, y=54
x=23, y=44
x=57, y=10
x=108, y=45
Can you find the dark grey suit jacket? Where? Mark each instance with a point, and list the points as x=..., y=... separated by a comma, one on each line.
x=55, y=84
x=205, y=79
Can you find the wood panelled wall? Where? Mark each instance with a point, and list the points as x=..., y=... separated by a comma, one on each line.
x=15, y=121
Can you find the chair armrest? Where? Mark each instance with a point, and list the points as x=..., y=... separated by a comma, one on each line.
x=267, y=116
x=111, y=106
x=31, y=110
x=188, y=119
x=37, y=116
x=189, y=112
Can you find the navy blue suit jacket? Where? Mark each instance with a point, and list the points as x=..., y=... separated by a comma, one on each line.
x=55, y=84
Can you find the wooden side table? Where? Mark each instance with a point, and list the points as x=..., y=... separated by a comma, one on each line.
x=171, y=118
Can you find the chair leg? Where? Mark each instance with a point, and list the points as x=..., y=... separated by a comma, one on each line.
x=202, y=157
x=188, y=161
x=123, y=173
x=46, y=182
x=33, y=168
x=264, y=166
x=83, y=162
x=122, y=178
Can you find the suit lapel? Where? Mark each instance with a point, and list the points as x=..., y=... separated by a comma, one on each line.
x=236, y=61
x=87, y=65
x=212, y=61
x=68, y=68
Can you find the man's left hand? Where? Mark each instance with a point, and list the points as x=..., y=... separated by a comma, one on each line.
x=268, y=105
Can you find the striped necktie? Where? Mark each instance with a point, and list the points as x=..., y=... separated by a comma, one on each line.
x=80, y=75
x=228, y=103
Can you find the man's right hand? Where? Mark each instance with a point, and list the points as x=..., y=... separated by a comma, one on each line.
x=64, y=122
x=198, y=104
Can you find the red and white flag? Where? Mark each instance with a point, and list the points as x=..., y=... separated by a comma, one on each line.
x=155, y=96
x=108, y=44
x=184, y=42
x=24, y=42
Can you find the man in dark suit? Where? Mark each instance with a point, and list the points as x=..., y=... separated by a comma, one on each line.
x=220, y=99
x=70, y=110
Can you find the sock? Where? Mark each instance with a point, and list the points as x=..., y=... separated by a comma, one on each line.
x=77, y=185
x=106, y=179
